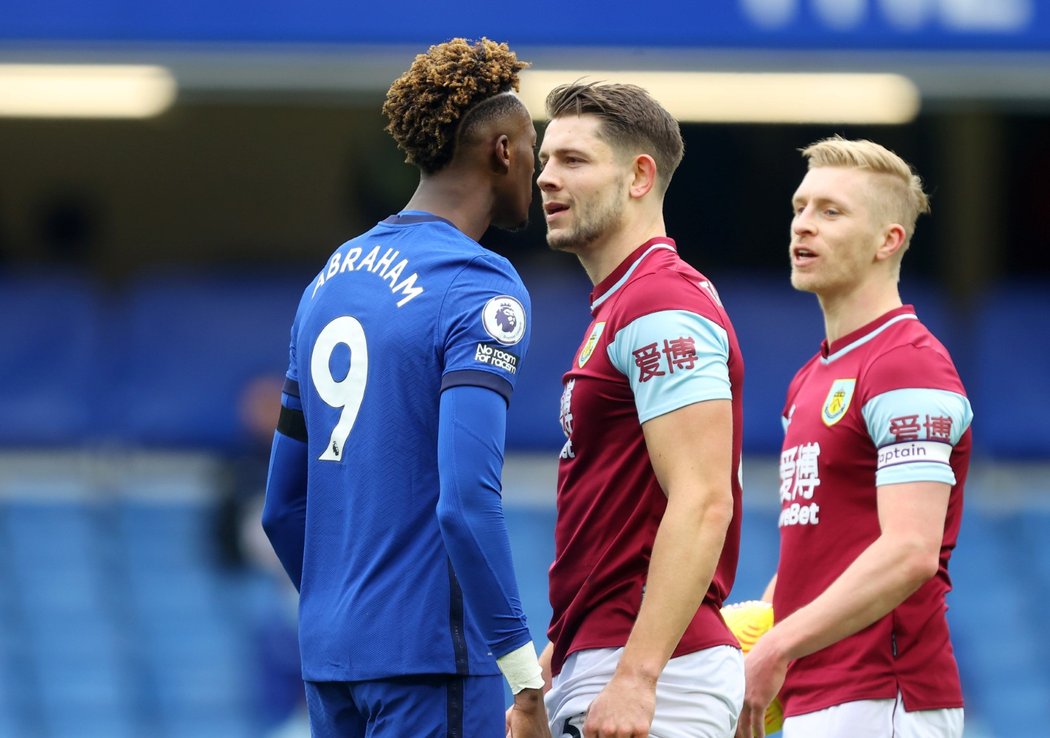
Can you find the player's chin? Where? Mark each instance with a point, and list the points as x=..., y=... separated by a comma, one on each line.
x=803, y=282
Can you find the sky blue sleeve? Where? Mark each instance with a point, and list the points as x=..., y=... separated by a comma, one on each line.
x=471, y=433
x=914, y=431
x=672, y=358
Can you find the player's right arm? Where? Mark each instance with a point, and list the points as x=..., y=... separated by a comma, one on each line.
x=487, y=314
x=472, y=426
x=896, y=564
x=284, y=512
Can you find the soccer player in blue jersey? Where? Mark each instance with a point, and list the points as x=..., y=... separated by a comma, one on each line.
x=383, y=499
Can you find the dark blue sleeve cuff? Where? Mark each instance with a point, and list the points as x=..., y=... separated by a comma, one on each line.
x=475, y=378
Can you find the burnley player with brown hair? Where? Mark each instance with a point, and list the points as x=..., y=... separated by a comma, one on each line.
x=648, y=524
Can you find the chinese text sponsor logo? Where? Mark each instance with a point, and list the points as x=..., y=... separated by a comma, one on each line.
x=676, y=354
x=799, y=478
x=915, y=427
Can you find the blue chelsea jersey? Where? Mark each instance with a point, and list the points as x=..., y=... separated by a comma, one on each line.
x=397, y=314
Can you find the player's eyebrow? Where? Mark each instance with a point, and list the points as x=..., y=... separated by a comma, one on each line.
x=563, y=151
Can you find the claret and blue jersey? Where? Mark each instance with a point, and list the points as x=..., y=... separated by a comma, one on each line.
x=659, y=340
x=396, y=316
x=880, y=406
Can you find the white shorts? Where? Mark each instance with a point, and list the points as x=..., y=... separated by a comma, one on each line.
x=875, y=719
x=698, y=695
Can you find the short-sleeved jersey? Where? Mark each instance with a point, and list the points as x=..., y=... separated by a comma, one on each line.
x=398, y=314
x=883, y=405
x=659, y=340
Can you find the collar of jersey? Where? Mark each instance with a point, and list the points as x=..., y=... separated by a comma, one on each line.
x=411, y=217
x=619, y=276
x=864, y=334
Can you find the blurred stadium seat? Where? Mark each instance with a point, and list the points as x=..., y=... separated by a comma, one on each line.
x=184, y=346
x=49, y=365
x=164, y=364
x=560, y=315
x=1010, y=387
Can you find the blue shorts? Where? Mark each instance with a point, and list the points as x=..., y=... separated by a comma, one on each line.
x=422, y=706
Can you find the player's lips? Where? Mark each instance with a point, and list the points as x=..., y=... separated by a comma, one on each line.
x=551, y=209
x=801, y=255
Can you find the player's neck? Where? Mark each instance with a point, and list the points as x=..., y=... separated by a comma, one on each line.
x=846, y=312
x=602, y=256
x=455, y=199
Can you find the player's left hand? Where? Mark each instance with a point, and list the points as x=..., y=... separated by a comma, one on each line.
x=624, y=709
x=764, y=675
x=527, y=717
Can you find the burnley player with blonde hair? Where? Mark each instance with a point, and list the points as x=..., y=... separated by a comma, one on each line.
x=876, y=450
x=648, y=522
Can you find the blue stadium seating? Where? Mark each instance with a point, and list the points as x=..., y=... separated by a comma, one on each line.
x=163, y=362
x=560, y=315
x=130, y=627
x=185, y=347
x=778, y=330
x=50, y=334
x=1010, y=391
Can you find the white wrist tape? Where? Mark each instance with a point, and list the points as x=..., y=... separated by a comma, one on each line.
x=521, y=668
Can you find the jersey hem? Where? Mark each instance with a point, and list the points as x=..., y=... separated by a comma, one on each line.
x=889, y=693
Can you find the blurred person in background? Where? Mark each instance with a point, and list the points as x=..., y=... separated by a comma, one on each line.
x=243, y=480
x=648, y=519
x=384, y=495
x=279, y=702
x=876, y=451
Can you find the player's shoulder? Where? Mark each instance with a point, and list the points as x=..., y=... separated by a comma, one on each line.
x=487, y=271
x=910, y=356
x=457, y=256
x=671, y=284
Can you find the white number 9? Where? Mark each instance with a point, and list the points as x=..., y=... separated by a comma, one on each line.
x=350, y=391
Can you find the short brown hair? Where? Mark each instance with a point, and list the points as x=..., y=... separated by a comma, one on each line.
x=905, y=199
x=630, y=119
x=432, y=105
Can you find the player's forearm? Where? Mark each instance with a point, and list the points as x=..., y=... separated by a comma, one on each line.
x=685, y=555
x=546, y=655
x=284, y=511
x=470, y=513
x=879, y=579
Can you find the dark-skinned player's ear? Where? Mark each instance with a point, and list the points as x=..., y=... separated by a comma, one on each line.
x=501, y=155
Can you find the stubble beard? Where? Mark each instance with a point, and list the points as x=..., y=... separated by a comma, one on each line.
x=592, y=224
